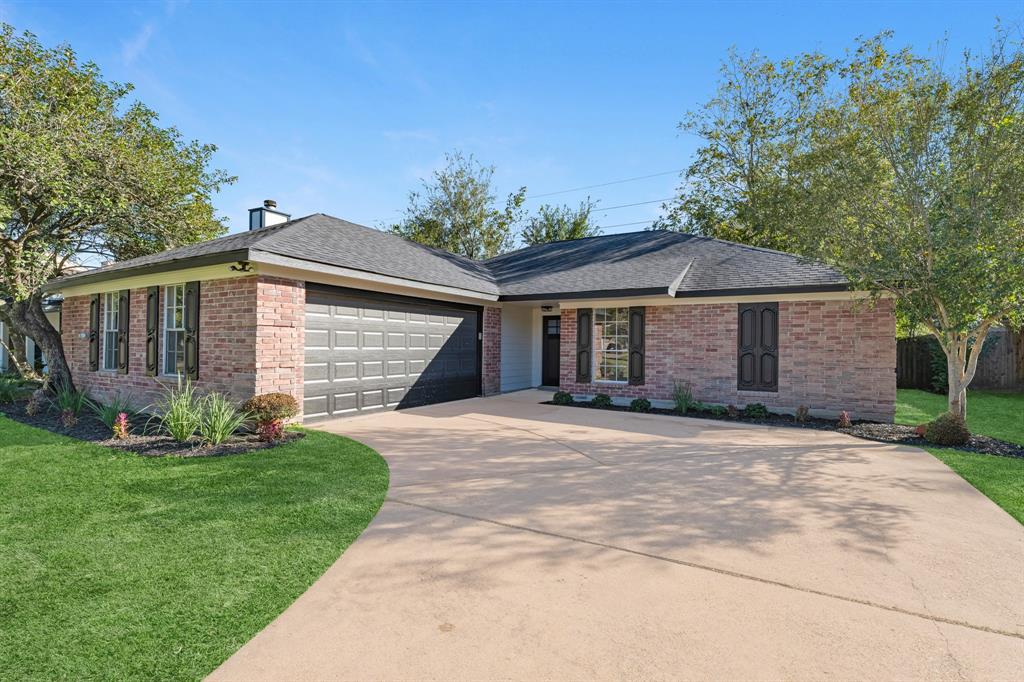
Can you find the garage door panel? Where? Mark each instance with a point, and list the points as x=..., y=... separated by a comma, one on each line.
x=365, y=352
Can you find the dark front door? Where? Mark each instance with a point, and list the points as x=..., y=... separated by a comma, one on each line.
x=551, y=335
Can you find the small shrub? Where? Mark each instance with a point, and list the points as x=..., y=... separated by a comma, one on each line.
x=682, y=396
x=220, y=419
x=698, y=406
x=120, y=426
x=755, y=411
x=11, y=388
x=270, y=431
x=947, y=429
x=844, y=420
x=803, y=413
x=36, y=402
x=640, y=405
x=920, y=430
x=718, y=410
x=601, y=400
x=271, y=407
x=732, y=411
x=180, y=411
x=68, y=418
x=70, y=400
x=108, y=413
x=562, y=398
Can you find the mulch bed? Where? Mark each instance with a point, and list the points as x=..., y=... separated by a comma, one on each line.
x=142, y=439
x=876, y=431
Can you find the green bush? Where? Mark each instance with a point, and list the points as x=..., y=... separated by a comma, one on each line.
x=271, y=407
x=180, y=411
x=11, y=388
x=601, y=400
x=718, y=410
x=755, y=411
x=947, y=429
x=698, y=406
x=69, y=401
x=682, y=396
x=640, y=405
x=220, y=419
x=107, y=412
x=562, y=398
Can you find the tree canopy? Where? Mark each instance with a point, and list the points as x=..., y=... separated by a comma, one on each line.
x=905, y=175
x=559, y=223
x=86, y=175
x=457, y=210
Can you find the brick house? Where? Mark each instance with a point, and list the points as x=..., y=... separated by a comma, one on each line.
x=349, y=319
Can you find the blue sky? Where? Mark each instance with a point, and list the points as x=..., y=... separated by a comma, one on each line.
x=342, y=108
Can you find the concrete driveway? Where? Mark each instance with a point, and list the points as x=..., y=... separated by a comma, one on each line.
x=528, y=541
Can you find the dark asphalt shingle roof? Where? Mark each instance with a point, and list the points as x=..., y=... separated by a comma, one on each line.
x=636, y=262
x=653, y=260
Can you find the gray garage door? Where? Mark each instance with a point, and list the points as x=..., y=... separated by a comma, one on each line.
x=374, y=352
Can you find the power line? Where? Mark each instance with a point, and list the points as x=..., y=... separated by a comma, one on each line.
x=604, y=184
x=639, y=222
x=598, y=208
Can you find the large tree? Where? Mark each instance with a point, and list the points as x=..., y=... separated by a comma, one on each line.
x=735, y=188
x=560, y=223
x=85, y=176
x=914, y=176
x=457, y=210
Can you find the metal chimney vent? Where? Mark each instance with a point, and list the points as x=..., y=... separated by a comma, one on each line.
x=266, y=215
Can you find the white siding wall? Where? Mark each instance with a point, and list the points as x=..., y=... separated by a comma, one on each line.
x=516, y=347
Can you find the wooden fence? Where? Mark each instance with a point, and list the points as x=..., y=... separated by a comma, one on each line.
x=997, y=367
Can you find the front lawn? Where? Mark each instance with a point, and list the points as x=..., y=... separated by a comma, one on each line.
x=114, y=566
x=1000, y=415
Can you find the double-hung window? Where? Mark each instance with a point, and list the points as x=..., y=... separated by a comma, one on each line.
x=611, y=344
x=110, y=328
x=174, y=329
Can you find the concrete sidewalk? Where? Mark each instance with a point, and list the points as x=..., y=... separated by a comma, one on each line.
x=527, y=541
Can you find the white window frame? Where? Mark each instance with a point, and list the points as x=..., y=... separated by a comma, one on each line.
x=111, y=311
x=622, y=341
x=169, y=328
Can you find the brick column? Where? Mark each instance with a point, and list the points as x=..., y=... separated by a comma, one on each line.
x=492, y=351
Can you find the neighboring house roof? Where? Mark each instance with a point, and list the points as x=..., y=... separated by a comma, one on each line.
x=631, y=264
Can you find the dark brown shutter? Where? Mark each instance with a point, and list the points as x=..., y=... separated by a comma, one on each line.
x=584, y=344
x=758, y=347
x=192, y=330
x=153, y=331
x=94, y=333
x=123, y=317
x=636, y=346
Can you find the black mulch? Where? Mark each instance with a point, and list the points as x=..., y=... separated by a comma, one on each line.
x=876, y=431
x=143, y=439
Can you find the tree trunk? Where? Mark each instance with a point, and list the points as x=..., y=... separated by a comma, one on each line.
x=27, y=317
x=1017, y=339
x=957, y=392
x=15, y=346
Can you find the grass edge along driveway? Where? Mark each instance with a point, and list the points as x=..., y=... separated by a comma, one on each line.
x=999, y=415
x=114, y=566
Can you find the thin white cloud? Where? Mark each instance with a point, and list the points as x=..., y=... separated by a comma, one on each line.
x=133, y=48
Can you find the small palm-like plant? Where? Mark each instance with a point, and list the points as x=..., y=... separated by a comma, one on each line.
x=69, y=401
x=180, y=411
x=108, y=412
x=220, y=419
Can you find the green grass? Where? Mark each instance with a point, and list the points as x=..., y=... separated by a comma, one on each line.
x=999, y=415
x=117, y=567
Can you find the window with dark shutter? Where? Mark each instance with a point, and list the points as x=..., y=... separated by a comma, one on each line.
x=636, y=345
x=123, y=304
x=153, y=331
x=192, y=330
x=584, y=344
x=758, y=347
x=94, y=333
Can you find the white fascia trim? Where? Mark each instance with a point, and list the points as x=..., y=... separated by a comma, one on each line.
x=273, y=259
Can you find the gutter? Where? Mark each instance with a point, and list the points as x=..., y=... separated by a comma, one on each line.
x=100, y=274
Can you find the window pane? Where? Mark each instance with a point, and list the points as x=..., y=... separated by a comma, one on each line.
x=611, y=344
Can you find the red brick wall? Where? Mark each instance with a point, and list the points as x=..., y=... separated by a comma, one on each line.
x=233, y=313
x=833, y=356
x=492, y=351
